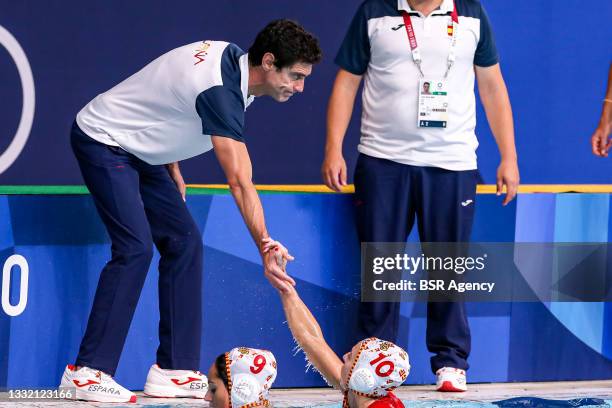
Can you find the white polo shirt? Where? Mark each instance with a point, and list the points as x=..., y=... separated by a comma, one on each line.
x=168, y=110
x=377, y=47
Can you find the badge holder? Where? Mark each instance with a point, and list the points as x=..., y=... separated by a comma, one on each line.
x=433, y=104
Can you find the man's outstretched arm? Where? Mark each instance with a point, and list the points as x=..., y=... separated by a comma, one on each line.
x=236, y=163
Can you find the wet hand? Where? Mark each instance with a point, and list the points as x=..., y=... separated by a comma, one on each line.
x=276, y=275
x=278, y=250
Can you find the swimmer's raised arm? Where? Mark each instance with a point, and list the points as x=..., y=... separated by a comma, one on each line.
x=309, y=336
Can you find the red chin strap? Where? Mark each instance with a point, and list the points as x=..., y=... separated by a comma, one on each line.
x=388, y=401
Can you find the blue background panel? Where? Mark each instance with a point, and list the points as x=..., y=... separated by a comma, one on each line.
x=511, y=341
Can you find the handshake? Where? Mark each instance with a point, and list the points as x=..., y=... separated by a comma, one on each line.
x=275, y=257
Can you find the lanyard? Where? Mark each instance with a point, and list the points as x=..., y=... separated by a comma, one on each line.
x=414, y=47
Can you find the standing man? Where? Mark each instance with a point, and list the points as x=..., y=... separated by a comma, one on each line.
x=417, y=150
x=128, y=142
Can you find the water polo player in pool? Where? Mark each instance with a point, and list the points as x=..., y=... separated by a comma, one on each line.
x=241, y=378
x=368, y=373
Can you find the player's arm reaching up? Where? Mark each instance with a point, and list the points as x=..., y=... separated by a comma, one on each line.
x=309, y=336
x=305, y=328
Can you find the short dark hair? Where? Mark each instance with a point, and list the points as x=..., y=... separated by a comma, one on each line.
x=221, y=366
x=288, y=41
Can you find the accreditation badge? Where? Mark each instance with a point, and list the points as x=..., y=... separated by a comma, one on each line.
x=433, y=103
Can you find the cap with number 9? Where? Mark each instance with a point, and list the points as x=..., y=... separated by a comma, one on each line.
x=250, y=374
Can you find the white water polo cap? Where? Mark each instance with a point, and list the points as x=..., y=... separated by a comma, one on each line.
x=250, y=374
x=378, y=368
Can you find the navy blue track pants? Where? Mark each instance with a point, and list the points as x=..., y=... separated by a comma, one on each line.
x=389, y=196
x=140, y=206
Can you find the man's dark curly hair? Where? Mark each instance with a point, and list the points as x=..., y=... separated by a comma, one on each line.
x=288, y=42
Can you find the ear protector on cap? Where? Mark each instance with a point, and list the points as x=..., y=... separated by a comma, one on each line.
x=245, y=390
x=362, y=380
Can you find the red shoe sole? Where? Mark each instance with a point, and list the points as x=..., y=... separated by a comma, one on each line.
x=447, y=386
x=132, y=400
x=175, y=397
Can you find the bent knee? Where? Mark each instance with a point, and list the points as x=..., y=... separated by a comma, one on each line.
x=190, y=241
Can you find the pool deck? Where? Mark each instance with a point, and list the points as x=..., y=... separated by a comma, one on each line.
x=304, y=397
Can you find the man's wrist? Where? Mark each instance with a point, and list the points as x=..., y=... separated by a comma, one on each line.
x=333, y=150
x=333, y=142
x=261, y=243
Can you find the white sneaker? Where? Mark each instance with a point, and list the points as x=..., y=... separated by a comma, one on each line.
x=175, y=383
x=451, y=380
x=88, y=384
